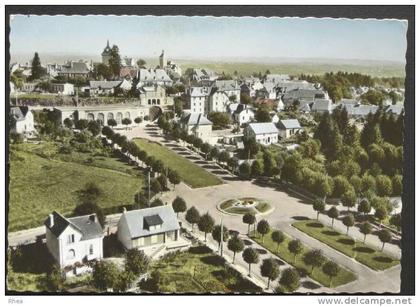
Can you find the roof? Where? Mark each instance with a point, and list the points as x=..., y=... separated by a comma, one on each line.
x=195, y=119
x=135, y=220
x=263, y=128
x=322, y=105
x=395, y=109
x=277, y=77
x=84, y=224
x=153, y=220
x=200, y=91
x=304, y=94
x=290, y=124
x=153, y=75
x=19, y=112
x=226, y=85
x=75, y=67
x=107, y=49
x=360, y=110
x=104, y=84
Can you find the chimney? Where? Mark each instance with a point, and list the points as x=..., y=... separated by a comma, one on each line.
x=51, y=220
x=92, y=218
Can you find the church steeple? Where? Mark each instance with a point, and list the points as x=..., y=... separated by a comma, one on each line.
x=107, y=43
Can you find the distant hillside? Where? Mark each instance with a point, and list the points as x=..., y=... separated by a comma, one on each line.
x=249, y=66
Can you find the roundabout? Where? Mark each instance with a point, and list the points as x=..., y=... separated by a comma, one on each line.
x=246, y=205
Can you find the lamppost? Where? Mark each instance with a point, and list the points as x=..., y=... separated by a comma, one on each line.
x=221, y=237
x=148, y=185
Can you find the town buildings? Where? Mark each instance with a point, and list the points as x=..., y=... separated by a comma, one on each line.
x=155, y=95
x=265, y=133
x=288, y=128
x=198, y=125
x=23, y=121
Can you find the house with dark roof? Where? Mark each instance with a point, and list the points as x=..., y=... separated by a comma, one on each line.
x=288, y=128
x=150, y=227
x=73, y=69
x=243, y=114
x=72, y=240
x=22, y=121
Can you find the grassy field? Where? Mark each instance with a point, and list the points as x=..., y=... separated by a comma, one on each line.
x=199, y=271
x=363, y=253
x=39, y=185
x=191, y=174
x=344, y=276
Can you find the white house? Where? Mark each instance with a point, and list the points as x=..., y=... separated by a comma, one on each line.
x=102, y=87
x=198, y=99
x=288, y=128
x=65, y=89
x=243, y=114
x=71, y=240
x=149, y=77
x=197, y=124
x=23, y=121
x=229, y=87
x=148, y=227
x=264, y=133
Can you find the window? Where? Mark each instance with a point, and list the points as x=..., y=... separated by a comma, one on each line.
x=91, y=249
x=71, y=254
x=70, y=239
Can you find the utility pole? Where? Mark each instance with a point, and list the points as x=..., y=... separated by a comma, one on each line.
x=221, y=236
x=148, y=179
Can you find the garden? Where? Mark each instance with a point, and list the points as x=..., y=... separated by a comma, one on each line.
x=247, y=205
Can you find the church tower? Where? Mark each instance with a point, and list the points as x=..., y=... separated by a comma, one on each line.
x=162, y=61
x=106, y=54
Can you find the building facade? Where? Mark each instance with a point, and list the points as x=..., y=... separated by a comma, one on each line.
x=265, y=133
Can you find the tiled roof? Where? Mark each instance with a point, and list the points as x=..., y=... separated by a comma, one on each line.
x=195, y=119
x=146, y=75
x=135, y=220
x=263, y=128
x=104, y=84
x=289, y=124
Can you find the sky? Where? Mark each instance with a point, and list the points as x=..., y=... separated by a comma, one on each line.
x=211, y=37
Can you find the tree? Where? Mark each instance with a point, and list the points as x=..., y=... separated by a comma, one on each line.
x=192, y=216
x=314, y=258
x=214, y=153
x=205, y=148
x=319, y=207
x=126, y=122
x=262, y=115
x=381, y=214
x=155, y=186
x=385, y=237
x=348, y=199
x=257, y=168
x=397, y=184
x=330, y=269
x=235, y=244
x=244, y=170
x=263, y=228
x=124, y=281
x=179, y=205
x=174, y=177
x=270, y=269
x=136, y=261
x=156, y=203
x=55, y=279
x=112, y=122
x=206, y=224
x=295, y=247
x=396, y=221
x=141, y=63
x=163, y=181
x=221, y=120
x=364, y=207
x=365, y=229
x=250, y=256
x=138, y=120
x=68, y=123
x=348, y=221
x=81, y=124
x=104, y=275
x=94, y=127
x=290, y=279
x=36, y=69
x=383, y=186
x=251, y=147
x=249, y=219
x=277, y=237
x=217, y=233
x=115, y=61
x=333, y=214
x=223, y=157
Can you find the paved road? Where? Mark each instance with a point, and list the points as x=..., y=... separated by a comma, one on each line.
x=286, y=208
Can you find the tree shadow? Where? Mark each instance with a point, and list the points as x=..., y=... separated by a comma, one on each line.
x=31, y=258
x=112, y=246
x=383, y=259
x=331, y=233
x=364, y=250
x=247, y=242
x=346, y=241
x=261, y=251
x=213, y=260
x=310, y=285
x=279, y=262
x=300, y=218
x=315, y=225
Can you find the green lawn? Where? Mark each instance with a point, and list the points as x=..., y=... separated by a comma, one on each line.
x=39, y=185
x=363, y=253
x=344, y=276
x=199, y=271
x=191, y=174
